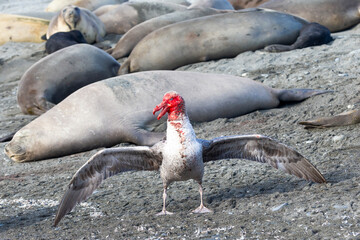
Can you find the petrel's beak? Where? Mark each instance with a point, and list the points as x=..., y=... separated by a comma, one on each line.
x=164, y=110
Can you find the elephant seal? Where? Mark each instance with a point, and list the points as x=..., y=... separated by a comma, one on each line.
x=206, y=38
x=342, y=119
x=312, y=34
x=75, y=18
x=57, y=5
x=119, y=109
x=127, y=42
x=57, y=75
x=217, y=4
x=61, y=40
x=119, y=19
x=18, y=28
x=333, y=14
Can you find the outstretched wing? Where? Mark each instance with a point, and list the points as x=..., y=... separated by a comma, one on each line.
x=261, y=149
x=102, y=165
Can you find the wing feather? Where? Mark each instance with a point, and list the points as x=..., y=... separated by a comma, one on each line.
x=102, y=165
x=261, y=149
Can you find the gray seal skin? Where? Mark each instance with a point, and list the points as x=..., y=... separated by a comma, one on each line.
x=119, y=19
x=62, y=40
x=76, y=18
x=206, y=38
x=127, y=42
x=119, y=109
x=312, y=34
x=217, y=4
x=59, y=74
x=334, y=14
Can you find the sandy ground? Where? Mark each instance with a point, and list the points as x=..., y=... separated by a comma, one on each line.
x=249, y=200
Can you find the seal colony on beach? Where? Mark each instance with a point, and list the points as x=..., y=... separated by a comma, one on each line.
x=118, y=110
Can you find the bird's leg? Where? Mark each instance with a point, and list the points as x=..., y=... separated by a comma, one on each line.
x=201, y=208
x=164, y=212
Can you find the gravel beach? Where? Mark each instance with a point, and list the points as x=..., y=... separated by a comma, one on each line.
x=249, y=200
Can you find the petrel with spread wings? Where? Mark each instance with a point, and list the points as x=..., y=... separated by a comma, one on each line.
x=181, y=157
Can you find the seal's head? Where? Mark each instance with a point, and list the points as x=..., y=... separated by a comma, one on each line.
x=71, y=16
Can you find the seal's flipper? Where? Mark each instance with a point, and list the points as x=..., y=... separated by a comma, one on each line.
x=125, y=67
x=296, y=95
x=145, y=138
x=345, y=118
x=7, y=137
x=312, y=34
x=278, y=48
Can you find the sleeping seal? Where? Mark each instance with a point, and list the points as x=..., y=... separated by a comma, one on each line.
x=119, y=19
x=206, y=38
x=119, y=109
x=127, y=42
x=57, y=75
x=334, y=14
x=18, y=28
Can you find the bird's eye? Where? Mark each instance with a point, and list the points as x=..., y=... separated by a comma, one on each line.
x=171, y=99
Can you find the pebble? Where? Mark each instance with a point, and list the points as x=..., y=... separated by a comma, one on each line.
x=277, y=208
x=340, y=207
x=338, y=138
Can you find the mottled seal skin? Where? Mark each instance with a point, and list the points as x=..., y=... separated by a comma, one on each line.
x=241, y=4
x=217, y=4
x=312, y=34
x=57, y=75
x=119, y=19
x=61, y=40
x=76, y=18
x=119, y=109
x=127, y=42
x=18, y=28
x=57, y=5
x=206, y=38
x=342, y=119
x=334, y=14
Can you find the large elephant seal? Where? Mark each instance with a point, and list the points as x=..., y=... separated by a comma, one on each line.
x=119, y=19
x=57, y=75
x=57, y=5
x=127, y=42
x=342, y=119
x=206, y=38
x=312, y=34
x=334, y=14
x=76, y=18
x=217, y=4
x=119, y=109
x=17, y=28
x=61, y=40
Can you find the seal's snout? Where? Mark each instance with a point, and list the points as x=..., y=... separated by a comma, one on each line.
x=15, y=152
